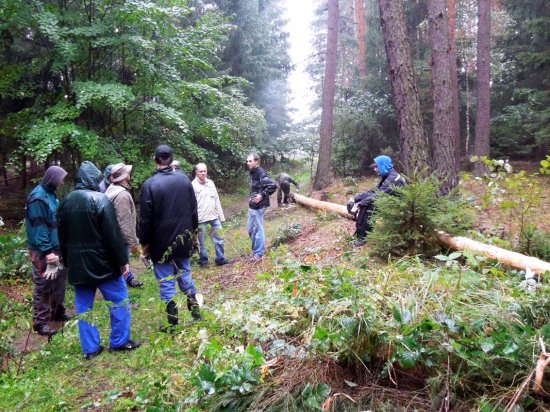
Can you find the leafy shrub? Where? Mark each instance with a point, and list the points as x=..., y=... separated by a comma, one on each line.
x=14, y=258
x=406, y=224
x=228, y=378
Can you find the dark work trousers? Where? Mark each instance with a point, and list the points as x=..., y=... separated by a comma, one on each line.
x=363, y=224
x=48, y=295
x=284, y=187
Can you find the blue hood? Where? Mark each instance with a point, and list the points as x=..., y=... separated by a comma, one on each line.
x=384, y=164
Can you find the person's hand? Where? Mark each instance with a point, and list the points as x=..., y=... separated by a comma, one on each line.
x=257, y=199
x=134, y=249
x=350, y=205
x=52, y=258
x=195, y=245
x=53, y=266
x=124, y=269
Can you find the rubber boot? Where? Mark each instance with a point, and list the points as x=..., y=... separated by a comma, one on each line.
x=172, y=316
x=193, y=306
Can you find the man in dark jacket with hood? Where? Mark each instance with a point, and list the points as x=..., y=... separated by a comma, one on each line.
x=364, y=202
x=49, y=277
x=261, y=187
x=168, y=220
x=94, y=251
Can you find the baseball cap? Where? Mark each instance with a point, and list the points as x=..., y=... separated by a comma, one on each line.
x=163, y=151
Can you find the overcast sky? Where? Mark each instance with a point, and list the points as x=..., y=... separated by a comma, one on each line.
x=300, y=15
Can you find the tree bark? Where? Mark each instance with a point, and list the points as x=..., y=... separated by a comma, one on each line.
x=506, y=257
x=361, y=41
x=412, y=137
x=443, y=136
x=455, y=109
x=323, y=174
x=483, y=103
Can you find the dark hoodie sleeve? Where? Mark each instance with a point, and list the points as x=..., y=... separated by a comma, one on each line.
x=365, y=198
x=37, y=225
x=145, y=214
x=268, y=185
x=392, y=181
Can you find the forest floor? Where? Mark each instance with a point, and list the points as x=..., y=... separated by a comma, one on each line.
x=321, y=240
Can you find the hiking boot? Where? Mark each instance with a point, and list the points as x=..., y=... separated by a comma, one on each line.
x=44, y=330
x=203, y=264
x=172, y=313
x=128, y=346
x=62, y=318
x=225, y=262
x=92, y=355
x=134, y=283
x=359, y=242
x=193, y=306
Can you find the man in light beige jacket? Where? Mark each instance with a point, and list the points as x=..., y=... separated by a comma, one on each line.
x=125, y=209
x=210, y=214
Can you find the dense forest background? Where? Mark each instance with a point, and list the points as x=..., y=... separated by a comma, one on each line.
x=109, y=80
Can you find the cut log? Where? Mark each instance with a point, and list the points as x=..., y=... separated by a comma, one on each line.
x=506, y=257
x=320, y=205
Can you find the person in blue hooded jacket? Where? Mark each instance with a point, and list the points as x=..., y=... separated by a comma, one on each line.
x=363, y=203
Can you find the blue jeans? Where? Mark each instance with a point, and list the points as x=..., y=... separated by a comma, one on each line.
x=115, y=292
x=168, y=273
x=215, y=226
x=256, y=230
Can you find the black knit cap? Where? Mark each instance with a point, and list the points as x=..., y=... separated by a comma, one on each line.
x=163, y=151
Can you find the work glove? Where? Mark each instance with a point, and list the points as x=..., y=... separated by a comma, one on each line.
x=350, y=206
x=52, y=269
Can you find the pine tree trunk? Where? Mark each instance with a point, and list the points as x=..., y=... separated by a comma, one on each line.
x=483, y=103
x=323, y=174
x=451, y=9
x=443, y=137
x=412, y=137
x=361, y=41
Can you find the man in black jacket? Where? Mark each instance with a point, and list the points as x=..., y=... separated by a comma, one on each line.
x=261, y=187
x=168, y=219
x=94, y=251
x=364, y=202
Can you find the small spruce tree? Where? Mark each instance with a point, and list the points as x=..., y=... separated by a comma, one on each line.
x=406, y=224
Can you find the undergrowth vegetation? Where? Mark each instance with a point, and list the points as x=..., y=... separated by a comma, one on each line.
x=317, y=326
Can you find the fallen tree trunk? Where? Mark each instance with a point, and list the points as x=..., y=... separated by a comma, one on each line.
x=506, y=257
